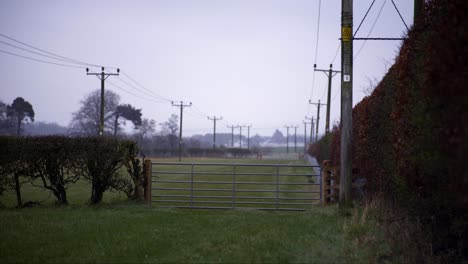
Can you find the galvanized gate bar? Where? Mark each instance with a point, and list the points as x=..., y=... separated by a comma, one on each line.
x=228, y=174
x=237, y=197
x=226, y=182
x=173, y=191
x=236, y=164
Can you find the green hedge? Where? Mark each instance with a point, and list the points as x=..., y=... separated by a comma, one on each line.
x=58, y=161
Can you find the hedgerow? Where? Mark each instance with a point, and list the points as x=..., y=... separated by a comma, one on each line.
x=55, y=162
x=409, y=135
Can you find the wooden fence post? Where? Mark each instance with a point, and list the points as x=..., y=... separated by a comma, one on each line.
x=148, y=181
x=325, y=182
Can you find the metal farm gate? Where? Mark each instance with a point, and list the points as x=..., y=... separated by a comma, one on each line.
x=229, y=186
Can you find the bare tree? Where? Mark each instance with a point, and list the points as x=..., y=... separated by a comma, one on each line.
x=169, y=129
x=371, y=84
x=146, y=129
x=86, y=120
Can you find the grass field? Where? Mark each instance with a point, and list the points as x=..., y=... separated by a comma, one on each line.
x=136, y=234
x=121, y=231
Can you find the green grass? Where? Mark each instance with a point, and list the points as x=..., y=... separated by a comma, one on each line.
x=132, y=233
x=119, y=231
x=77, y=194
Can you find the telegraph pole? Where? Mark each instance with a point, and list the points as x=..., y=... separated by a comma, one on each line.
x=346, y=101
x=248, y=136
x=330, y=74
x=295, y=138
x=181, y=106
x=311, y=129
x=214, y=128
x=102, y=76
x=305, y=135
x=318, y=117
x=287, y=138
x=232, y=135
x=240, y=136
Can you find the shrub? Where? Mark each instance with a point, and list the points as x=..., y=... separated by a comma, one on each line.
x=103, y=160
x=55, y=162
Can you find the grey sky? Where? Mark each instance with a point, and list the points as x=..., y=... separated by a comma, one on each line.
x=248, y=61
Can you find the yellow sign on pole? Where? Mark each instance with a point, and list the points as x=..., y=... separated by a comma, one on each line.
x=346, y=33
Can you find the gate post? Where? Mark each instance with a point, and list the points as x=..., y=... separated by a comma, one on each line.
x=277, y=187
x=234, y=190
x=191, y=186
x=148, y=173
x=325, y=187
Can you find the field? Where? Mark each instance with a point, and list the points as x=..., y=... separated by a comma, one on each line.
x=121, y=231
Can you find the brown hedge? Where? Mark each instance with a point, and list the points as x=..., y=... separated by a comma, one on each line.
x=409, y=135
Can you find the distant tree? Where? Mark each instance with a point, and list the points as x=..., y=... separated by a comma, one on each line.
x=129, y=113
x=20, y=110
x=256, y=140
x=145, y=130
x=5, y=122
x=87, y=119
x=170, y=129
x=277, y=137
x=43, y=128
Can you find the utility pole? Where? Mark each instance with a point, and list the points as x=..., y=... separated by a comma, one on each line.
x=214, y=128
x=311, y=129
x=295, y=139
x=102, y=76
x=318, y=117
x=232, y=135
x=305, y=135
x=240, y=136
x=330, y=74
x=346, y=101
x=181, y=106
x=248, y=136
x=287, y=138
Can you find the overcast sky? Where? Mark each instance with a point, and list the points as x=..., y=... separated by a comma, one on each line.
x=249, y=61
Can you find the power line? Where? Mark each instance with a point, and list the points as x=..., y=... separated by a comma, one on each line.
x=141, y=91
x=316, y=47
x=53, y=54
x=364, y=18
x=136, y=95
x=398, y=11
x=42, y=61
x=318, y=31
x=33, y=52
x=372, y=28
x=336, y=53
x=137, y=83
